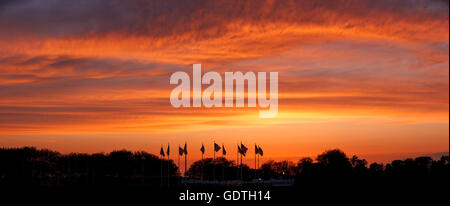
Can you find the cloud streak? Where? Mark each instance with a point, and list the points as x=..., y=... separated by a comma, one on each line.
x=210, y=31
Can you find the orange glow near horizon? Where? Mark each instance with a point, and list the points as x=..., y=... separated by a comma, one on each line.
x=369, y=78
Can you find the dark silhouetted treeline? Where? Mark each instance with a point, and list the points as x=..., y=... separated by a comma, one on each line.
x=332, y=164
x=30, y=166
x=335, y=165
x=41, y=167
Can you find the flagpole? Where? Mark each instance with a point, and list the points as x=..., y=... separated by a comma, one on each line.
x=185, y=160
x=241, y=163
x=168, y=164
x=179, y=156
x=255, y=160
x=223, y=163
x=258, y=160
x=162, y=168
x=241, y=166
x=237, y=162
x=202, y=166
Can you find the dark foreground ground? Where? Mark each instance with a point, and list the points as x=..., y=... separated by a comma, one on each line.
x=354, y=192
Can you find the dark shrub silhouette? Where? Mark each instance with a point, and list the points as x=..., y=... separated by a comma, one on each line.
x=278, y=170
x=218, y=169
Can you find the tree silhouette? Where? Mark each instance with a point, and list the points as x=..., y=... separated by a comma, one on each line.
x=278, y=170
x=359, y=165
x=335, y=163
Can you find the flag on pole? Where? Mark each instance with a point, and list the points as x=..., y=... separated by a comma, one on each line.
x=168, y=150
x=185, y=158
x=180, y=151
x=168, y=166
x=260, y=151
x=202, y=149
x=216, y=147
x=243, y=149
x=224, y=152
x=161, y=152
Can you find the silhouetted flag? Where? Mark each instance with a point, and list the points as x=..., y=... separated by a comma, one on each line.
x=224, y=152
x=161, y=152
x=256, y=149
x=180, y=151
x=243, y=149
x=185, y=148
x=202, y=149
x=216, y=147
x=260, y=151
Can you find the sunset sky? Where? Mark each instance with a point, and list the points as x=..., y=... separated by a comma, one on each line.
x=368, y=77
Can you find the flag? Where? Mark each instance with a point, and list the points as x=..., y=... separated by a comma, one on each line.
x=202, y=149
x=168, y=150
x=216, y=147
x=161, y=152
x=239, y=149
x=224, y=152
x=260, y=151
x=180, y=150
x=243, y=149
x=185, y=148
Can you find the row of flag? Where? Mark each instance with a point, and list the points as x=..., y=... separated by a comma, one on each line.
x=242, y=149
x=181, y=151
